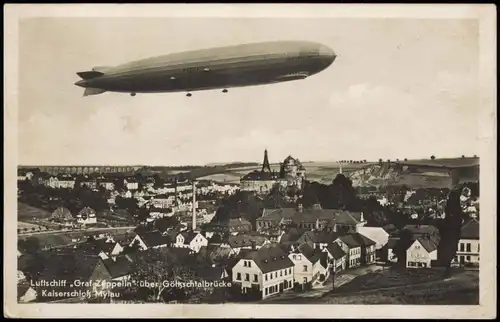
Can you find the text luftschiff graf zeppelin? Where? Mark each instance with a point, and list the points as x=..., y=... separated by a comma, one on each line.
x=80, y=286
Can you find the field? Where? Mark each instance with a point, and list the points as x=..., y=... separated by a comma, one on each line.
x=446, y=162
x=24, y=226
x=462, y=289
x=56, y=239
x=27, y=213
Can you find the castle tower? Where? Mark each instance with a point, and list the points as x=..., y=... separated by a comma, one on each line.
x=265, y=164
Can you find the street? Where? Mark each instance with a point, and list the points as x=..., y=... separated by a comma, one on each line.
x=319, y=290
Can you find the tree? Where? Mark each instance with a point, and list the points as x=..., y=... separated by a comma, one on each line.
x=30, y=245
x=451, y=228
x=433, y=157
x=380, y=160
x=162, y=224
x=463, y=156
x=406, y=159
x=157, y=266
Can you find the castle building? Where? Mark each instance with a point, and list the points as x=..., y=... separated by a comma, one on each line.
x=260, y=181
x=292, y=173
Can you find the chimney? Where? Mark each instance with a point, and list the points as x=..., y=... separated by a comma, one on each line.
x=300, y=207
x=254, y=245
x=362, y=217
x=194, y=205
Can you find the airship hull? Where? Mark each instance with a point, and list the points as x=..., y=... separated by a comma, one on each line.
x=223, y=67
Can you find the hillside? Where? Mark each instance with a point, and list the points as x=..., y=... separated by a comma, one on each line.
x=439, y=173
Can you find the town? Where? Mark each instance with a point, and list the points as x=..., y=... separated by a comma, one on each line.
x=273, y=237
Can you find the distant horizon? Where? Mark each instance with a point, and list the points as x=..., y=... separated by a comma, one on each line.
x=231, y=162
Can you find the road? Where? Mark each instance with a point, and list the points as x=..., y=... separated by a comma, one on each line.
x=91, y=230
x=321, y=289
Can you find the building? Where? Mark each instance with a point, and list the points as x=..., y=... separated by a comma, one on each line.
x=150, y=239
x=63, y=216
x=352, y=248
x=468, y=245
x=307, y=263
x=421, y=253
x=245, y=241
x=119, y=268
x=86, y=216
x=131, y=184
x=319, y=239
x=190, y=239
x=275, y=217
x=23, y=175
x=336, y=257
x=368, y=247
x=264, y=272
x=107, y=184
x=65, y=182
x=260, y=181
x=331, y=220
x=163, y=201
x=379, y=235
x=292, y=172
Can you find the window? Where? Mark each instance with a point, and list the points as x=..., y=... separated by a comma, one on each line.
x=267, y=291
x=275, y=274
x=478, y=247
x=305, y=268
x=265, y=277
x=281, y=272
x=468, y=258
x=238, y=277
x=294, y=257
x=255, y=278
x=305, y=279
x=249, y=264
x=247, y=277
x=461, y=247
x=468, y=248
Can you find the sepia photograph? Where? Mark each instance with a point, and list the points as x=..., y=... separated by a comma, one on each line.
x=250, y=161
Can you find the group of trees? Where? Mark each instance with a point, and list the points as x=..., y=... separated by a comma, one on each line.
x=157, y=266
x=353, y=161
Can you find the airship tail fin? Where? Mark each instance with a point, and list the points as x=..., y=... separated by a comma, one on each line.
x=90, y=74
x=93, y=91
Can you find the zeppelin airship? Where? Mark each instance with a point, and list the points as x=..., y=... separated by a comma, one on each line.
x=213, y=68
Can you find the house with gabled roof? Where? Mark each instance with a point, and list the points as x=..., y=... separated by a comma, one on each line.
x=86, y=216
x=263, y=272
x=421, y=253
x=336, y=256
x=308, y=266
x=319, y=239
x=120, y=267
x=190, y=239
x=468, y=245
x=63, y=215
x=352, y=248
x=275, y=217
x=150, y=239
x=246, y=241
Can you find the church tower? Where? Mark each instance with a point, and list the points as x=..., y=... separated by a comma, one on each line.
x=265, y=164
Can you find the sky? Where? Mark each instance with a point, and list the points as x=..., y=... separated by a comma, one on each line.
x=399, y=88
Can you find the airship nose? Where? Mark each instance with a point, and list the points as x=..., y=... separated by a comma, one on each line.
x=80, y=83
x=327, y=53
